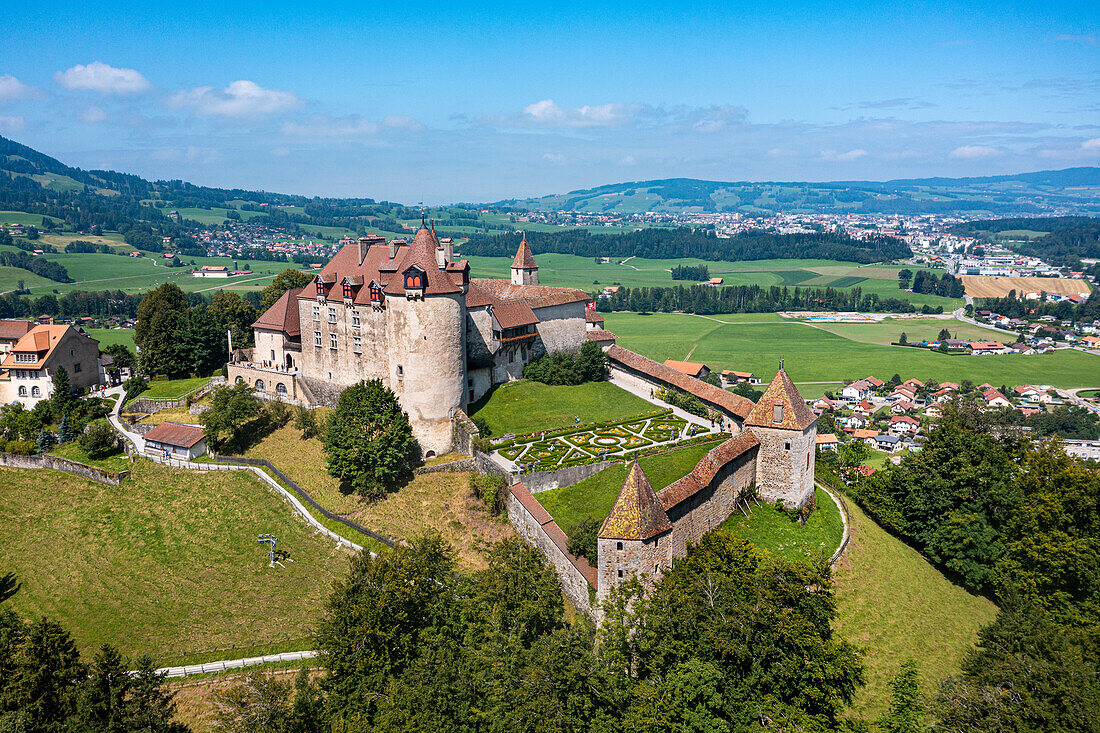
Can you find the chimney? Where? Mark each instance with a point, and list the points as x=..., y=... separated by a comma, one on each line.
x=393, y=246
x=449, y=248
x=440, y=257
x=364, y=245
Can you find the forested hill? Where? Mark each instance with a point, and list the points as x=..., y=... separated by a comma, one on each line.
x=1066, y=240
x=677, y=243
x=1076, y=189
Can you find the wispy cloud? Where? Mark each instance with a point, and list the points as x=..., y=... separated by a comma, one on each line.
x=898, y=103
x=12, y=123
x=92, y=115
x=100, y=77
x=832, y=156
x=240, y=99
x=348, y=126
x=11, y=89
x=1088, y=39
x=975, y=152
x=547, y=113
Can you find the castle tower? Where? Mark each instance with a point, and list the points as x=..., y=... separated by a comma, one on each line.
x=426, y=333
x=524, y=269
x=629, y=542
x=787, y=430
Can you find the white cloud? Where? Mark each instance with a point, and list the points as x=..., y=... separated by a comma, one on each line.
x=99, y=77
x=1090, y=145
x=555, y=158
x=240, y=99
x=975, y=152
x=833, y=156
x=401, y=122
x=11, y=124
x=548, y=114
x=92, y=115
x=12, y=89
x=331, y=127
x=628, y=160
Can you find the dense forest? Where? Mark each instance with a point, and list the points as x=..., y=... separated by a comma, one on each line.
x=689, y=272
x=678, y=243
x=948, y=286
x=706, y=300
x=1013, y=307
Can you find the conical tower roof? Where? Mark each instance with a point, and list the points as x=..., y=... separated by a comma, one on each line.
x=524, y=259
x=795, y=413
x=637, y=513
x=422, y=254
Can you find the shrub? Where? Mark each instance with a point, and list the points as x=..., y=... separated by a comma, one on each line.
x=98, y=440
x=21, y=447
x=45, y=441
x=278, y=413
x=587, y=365
x=369, y=440
x=134, y=386
x=306, y=421
x=491, y=488
x=583, y=538
x=482, y=426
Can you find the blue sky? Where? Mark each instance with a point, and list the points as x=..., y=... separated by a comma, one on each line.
x=481, y=101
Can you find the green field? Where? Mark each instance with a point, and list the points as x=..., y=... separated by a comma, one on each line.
x=813, y=354
x=166, y=563
x=583, y=272
x=116, y=462
x=108, y=336
x=22, y=217
x=772, y=530
x=594, y=496
x=10, y=277
x=895, y=605
x=525, y=406
x=889, y=330
x=172, y=389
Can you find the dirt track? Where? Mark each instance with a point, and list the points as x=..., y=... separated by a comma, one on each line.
x=999, y=287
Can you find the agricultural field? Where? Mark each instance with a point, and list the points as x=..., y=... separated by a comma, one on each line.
x=889, y=330
x=440, y=501
x=10, y=277
x=167, y=563
x=773, y=531
x=109, y=336
x=594, y=496
x=582, y=272
x=978, y=286
x=525, y=406
x=814, y=354
x=895, y=605
x=22, y=217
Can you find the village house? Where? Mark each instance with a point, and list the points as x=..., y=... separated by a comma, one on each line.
x=994, y=398
x=856, y=391
x=175, y=440
x=827, y=441
x=887, y=443
x=689, y=368
x=904, y=424
x=211, y=271
x=30, y=365
x=11, y=332
x=733, y=376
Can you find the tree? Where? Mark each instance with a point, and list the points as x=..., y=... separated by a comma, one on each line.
x=904, y=276
x=65, y=432
x=62, y=396
x=853, y=453
x=583, y=538
x=745, y=390
x=233, y=314
x=123, y=357
x=261, y=703
x=156, y=335
x=906, y=712
x=944, y=334
x=903, y=339
x=369, y=440
x=232, y=411
x=45, y=441
x=45, y=677
x=98, y=440
x=134, y=386
x=288, y=279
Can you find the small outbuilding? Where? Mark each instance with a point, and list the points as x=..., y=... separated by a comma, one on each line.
x=175, y=440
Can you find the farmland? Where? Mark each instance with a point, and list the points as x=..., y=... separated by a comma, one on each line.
x=814, y=354
x=999, y=287
x=167, y=563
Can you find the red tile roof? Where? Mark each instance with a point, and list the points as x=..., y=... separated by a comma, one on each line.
x=537, y=296
x=553, y=532
x=796, y=414
x=591, y=316
x=599, y=335
x=524, y=259
x=282, y=315
x=513, y=313
x=177, y=434
x=689, y=368
x=735, y=404
x=13, y=330
x=705, y=471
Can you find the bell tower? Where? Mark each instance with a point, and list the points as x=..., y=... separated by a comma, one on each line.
x=524, y=269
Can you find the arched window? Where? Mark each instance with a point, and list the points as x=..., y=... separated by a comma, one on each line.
x=36, y=392
x=240, y=379
x=22, y=391
x=414, y=281
x=259, y=385
x=280, y=388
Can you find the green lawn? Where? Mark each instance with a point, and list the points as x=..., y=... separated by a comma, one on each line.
x=772, y=530
x=22, y=217
x=108, y=336
x=594, y=496
x=815, y=355
x=525, y=406
x=166, y=563
x=173, y=389
x=889, y=330
x=10, y=277
x=115, y=462
x=895, y=605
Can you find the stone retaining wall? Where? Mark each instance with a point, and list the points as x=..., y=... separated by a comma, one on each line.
x=575, y=575
x=547, y=480
x=57, y=463
x=466, y=464
x=464, y=432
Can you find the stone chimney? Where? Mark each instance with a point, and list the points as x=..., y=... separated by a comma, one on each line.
x=393, y=246
x=364, y=245
x=449, y=248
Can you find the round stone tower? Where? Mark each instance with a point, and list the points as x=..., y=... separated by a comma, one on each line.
x=426, y=334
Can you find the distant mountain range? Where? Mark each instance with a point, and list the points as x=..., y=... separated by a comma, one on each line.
x=1068, y=191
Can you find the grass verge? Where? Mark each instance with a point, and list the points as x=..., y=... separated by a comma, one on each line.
x=770, y=529
x=115, y=462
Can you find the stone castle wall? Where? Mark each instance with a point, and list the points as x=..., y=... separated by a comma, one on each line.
x=561, y=327
x=699, y=514
x=57, y=463
x=342, y=366
x=785, y=473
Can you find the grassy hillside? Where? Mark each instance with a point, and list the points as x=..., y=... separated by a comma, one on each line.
x=166, y=563
x=814, y=354
x=525, y=406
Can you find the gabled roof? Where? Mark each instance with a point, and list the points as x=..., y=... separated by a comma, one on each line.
x=537, y=296
x=689, y=368
x=513, y=313
x=797, y=415
x=524, y=260
x=735, y=404
x=637, y=513
x=282, y=315
x=599, y=335
x=13, y=330
x=422, y=255
x=177, y=434
x=707, y=468
x=40, y=340
x=591, y=316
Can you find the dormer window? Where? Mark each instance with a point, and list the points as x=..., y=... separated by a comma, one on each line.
x=320, y=287
x=348, y=295
x=777, y=414
x=375, y=294
x=414, y=280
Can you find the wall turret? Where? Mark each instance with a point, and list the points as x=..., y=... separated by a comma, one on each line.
x=787, y=430
x=629, y=541
x=524, y=269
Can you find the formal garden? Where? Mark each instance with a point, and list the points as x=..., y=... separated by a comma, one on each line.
x=621, y=439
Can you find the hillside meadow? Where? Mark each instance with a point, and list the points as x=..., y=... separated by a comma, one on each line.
x=814, y=353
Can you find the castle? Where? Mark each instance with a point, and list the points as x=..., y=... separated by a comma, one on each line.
x=409, y=314
x=646, y=530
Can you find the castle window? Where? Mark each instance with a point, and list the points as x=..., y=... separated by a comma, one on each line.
x=347, y=291
x=471, y=395
x=376, y=295
x=414, y=280
x=332, y=315
x=619, y=546
x=357, y=345
x=35, y=392
x=317, y=338
x=316, y=312
x=400, y=370
x=807, y=460
x=259, y=385
x=280, y=388
x=22, y=391
x=76, y=367
x=620, y=573
x=355, y=318
x=787, y=445
x=777, y=414
x=320, y=288
x=332, y=341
